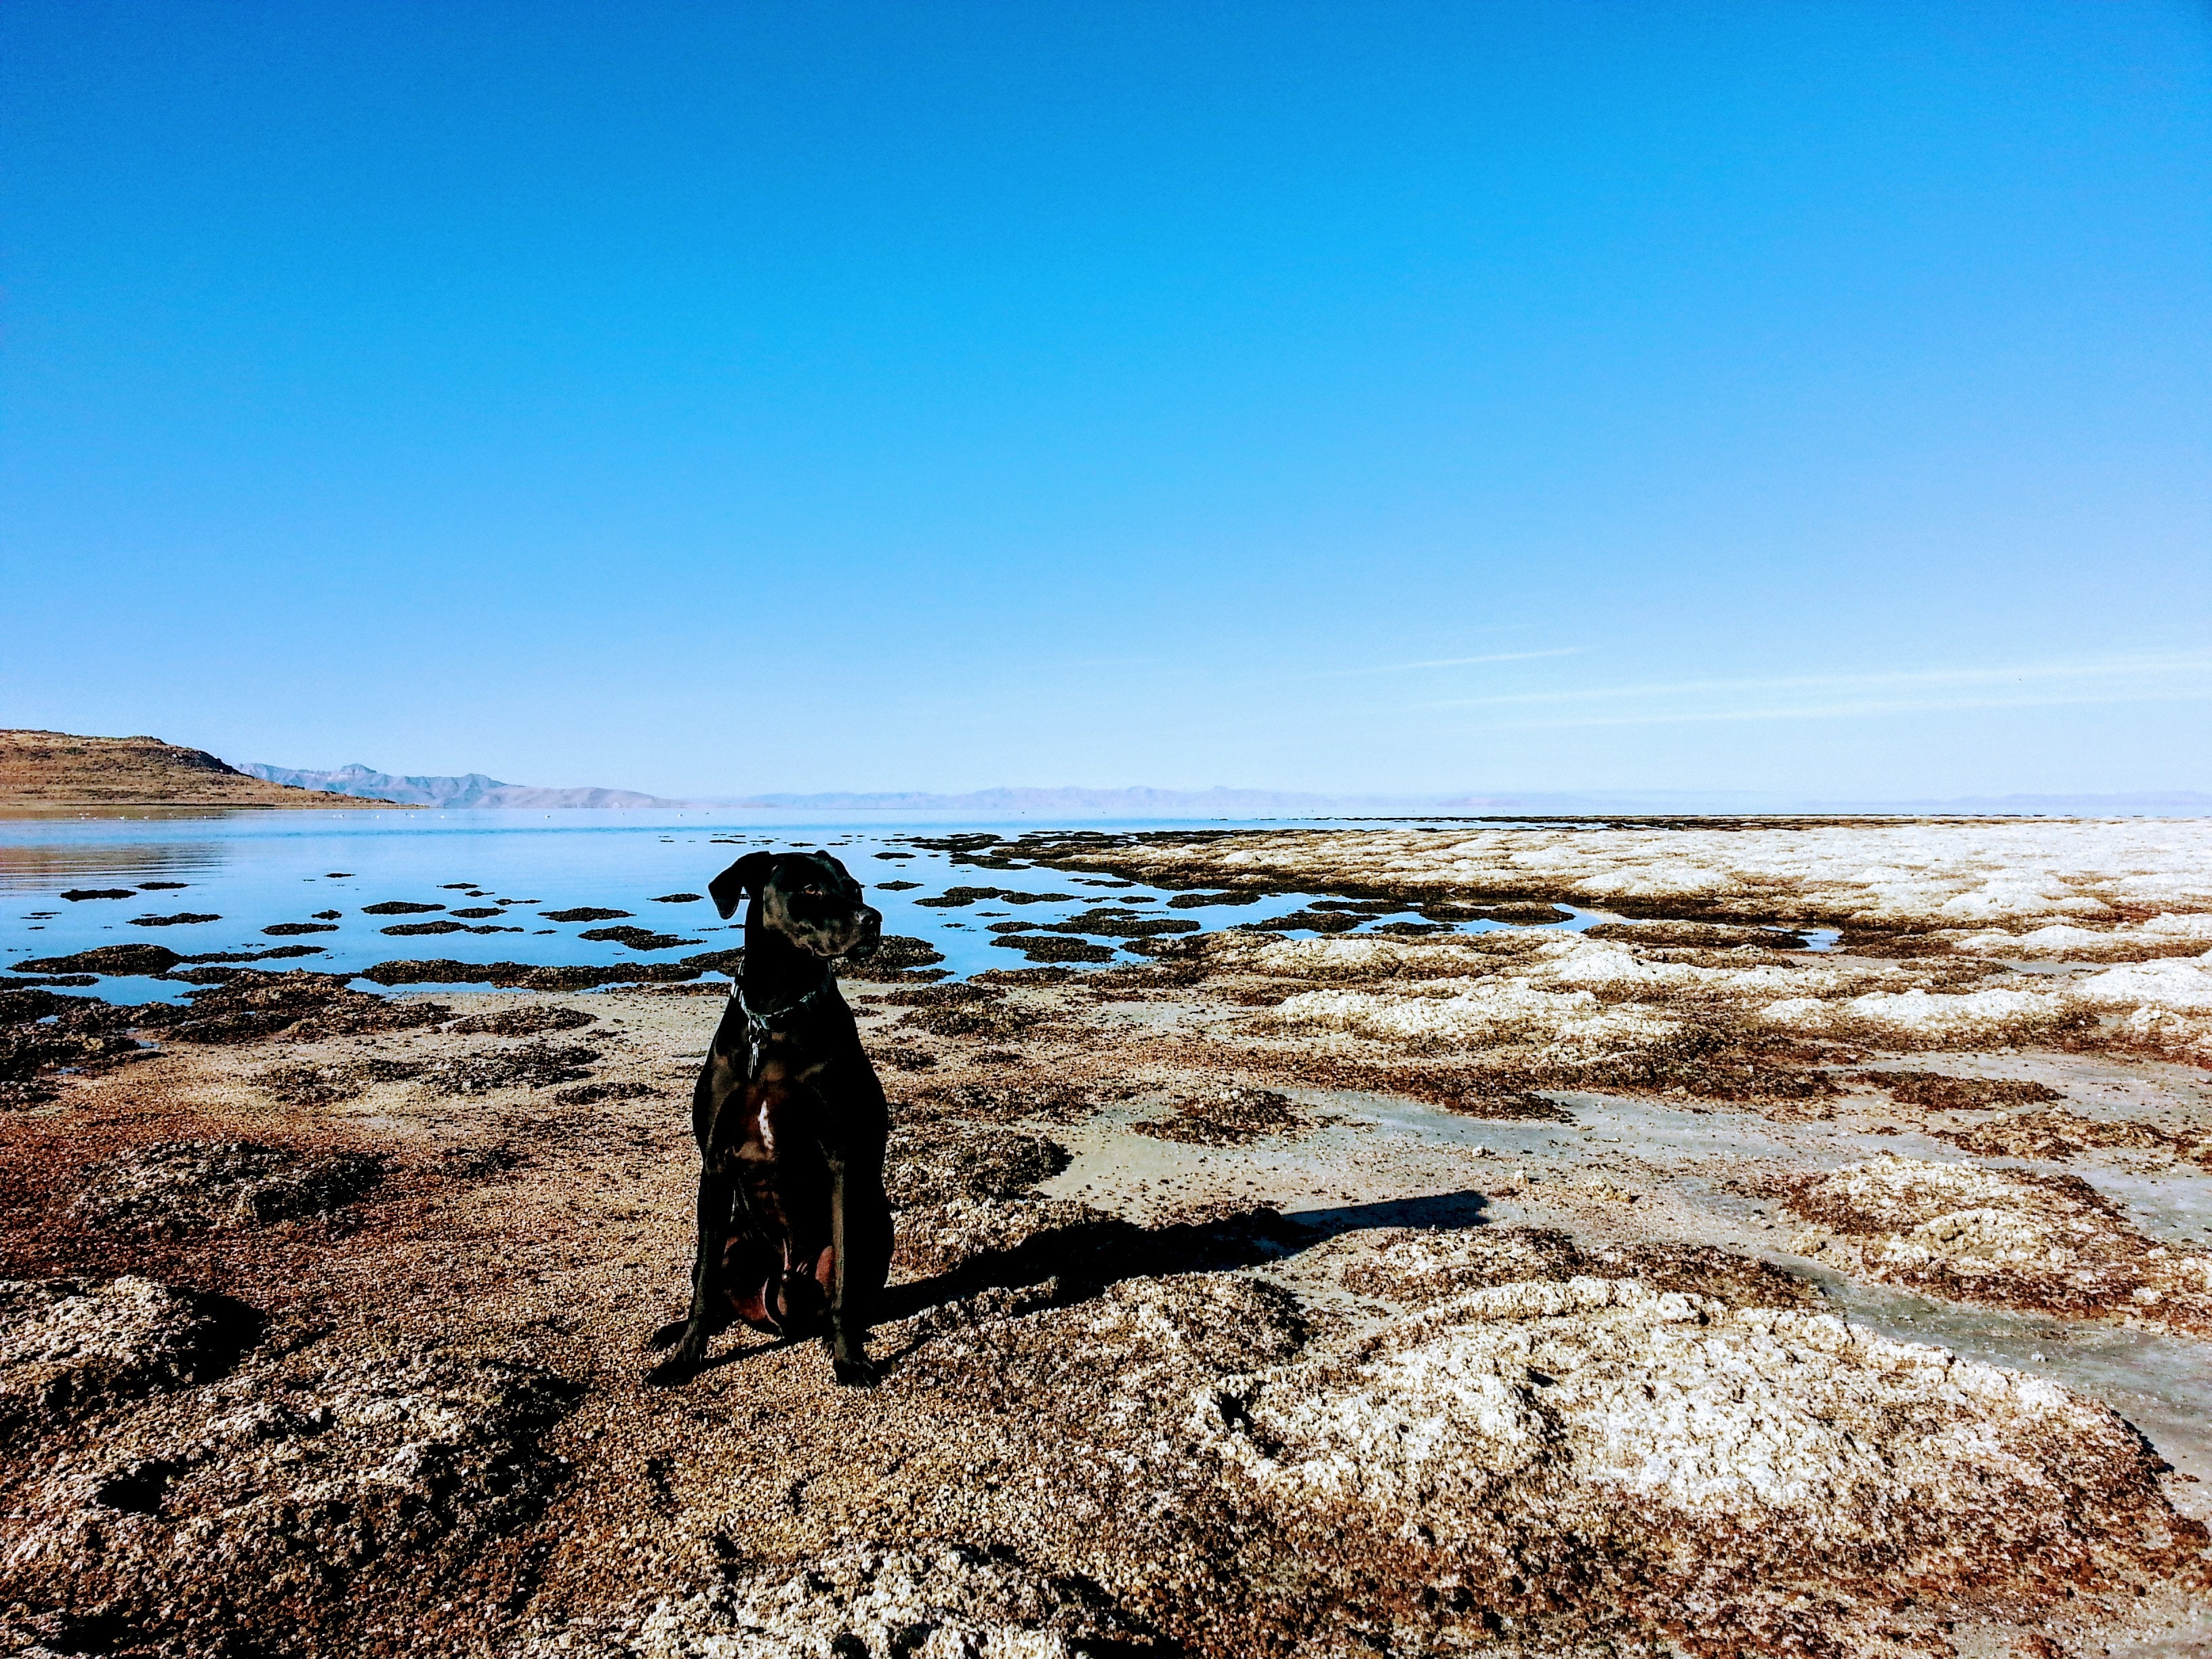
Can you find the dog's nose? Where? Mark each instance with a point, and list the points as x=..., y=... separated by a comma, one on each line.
x=872, y=932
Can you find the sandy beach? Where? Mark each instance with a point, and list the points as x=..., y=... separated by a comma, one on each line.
x=1816, y=1258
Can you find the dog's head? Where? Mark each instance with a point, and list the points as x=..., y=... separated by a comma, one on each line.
x=808, y=898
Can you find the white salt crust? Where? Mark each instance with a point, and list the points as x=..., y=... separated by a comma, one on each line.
x=1567, y=991
x=2160, y=935
x=1923, y=875
x=1999, y=1235
x=1659, y=1396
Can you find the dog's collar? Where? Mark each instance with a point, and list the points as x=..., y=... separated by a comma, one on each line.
x=760, y=1024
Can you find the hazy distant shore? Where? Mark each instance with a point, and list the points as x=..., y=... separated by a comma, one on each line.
x=471, y=791
x=58, y=770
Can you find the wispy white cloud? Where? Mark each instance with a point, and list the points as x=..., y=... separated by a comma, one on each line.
x=1849, y=710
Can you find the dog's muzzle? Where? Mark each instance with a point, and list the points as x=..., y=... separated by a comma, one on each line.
x=871, y=936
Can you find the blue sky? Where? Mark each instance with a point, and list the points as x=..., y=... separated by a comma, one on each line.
x=1471, y=397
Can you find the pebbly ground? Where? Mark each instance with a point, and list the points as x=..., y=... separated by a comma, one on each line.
x=1543, y=1302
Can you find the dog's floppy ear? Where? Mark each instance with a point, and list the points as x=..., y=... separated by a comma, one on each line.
x=746, y=876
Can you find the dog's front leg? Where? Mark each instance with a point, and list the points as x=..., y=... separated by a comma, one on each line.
x=717, y=1192
x=859, y=1262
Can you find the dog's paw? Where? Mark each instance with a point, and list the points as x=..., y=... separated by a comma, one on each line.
x=690, y=1356
x=854, y=1373
x=677, y=1369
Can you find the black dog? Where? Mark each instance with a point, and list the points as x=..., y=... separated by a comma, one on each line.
x=794, y=1230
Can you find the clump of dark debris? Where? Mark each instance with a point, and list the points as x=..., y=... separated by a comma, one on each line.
x=275, y=953
x=250, y=1004
x=1234, y=1117
x=635, y=938
x=941, y=996
x=1054, y=947
x=476, y=1163
x=529, y=976
x=1509, y=1106
x=21, y=1007
x=301, y=1083
x=591, y=1094
x=948, y=1162
x=954, y=898
x=964, y=1010
x=1703, y=935
x=177, y=1187
x=127, y=959
x=1046, y=1100
x=41, y=1032
x=1024, y=976
x=1934, y=1091
x=905, y=1057
x=1317, y=922
x=530, y=1066
x=2057, y=1136
x=533, y=1019
x=1118, y=921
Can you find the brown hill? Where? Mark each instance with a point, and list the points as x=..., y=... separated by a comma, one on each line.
x=55, y=768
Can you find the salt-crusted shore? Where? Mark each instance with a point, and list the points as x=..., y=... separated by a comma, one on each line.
x=1920, y=907
x=1935, y=874
x=1514, y=1292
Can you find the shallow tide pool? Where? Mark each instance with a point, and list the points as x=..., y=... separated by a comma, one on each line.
x=254, y=872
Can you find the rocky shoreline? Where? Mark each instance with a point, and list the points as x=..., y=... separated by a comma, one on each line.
x=1507, y=1293
x=55, y=771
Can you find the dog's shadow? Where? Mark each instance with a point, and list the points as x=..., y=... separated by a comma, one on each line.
x=1091, y=1257
x=1084, y=1261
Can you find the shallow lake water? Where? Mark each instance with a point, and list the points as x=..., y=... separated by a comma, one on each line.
x=254, y=870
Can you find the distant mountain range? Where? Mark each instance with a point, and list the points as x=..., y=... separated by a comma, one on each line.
x=1220, y=803
x=473, y=790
